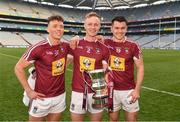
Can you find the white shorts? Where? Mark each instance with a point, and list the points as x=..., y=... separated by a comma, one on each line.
x=120, y=101
x=41, y=108
x=77, y=103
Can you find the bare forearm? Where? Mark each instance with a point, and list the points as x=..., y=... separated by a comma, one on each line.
x=69, y=60
x=140, y=77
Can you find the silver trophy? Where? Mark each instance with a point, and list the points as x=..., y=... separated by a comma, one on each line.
x=99, y=86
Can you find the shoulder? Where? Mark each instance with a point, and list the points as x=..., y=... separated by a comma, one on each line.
x=108, y=41
x=134, y=45
x=132, y=42
x=103, y=46
x=38, y=45
x=81, y=41
x=35, y=50
x=65, y=43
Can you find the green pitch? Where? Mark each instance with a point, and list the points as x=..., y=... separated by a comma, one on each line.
x=162, y=74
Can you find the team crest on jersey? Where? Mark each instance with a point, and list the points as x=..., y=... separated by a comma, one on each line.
x=126, y=50
x=58, y=67
x=118, y=49
x=86, y=63
x=98, y=51
x=61, y=49
x=117, y=63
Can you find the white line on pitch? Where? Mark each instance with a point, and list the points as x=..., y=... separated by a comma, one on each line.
x=164, y=92
x=11, y=56
x=69, y=70
x=147, y=88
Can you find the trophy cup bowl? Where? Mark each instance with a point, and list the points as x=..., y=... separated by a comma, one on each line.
x=99, y=86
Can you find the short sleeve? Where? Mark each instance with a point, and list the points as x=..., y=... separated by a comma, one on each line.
x=136, y=51
x=32, y=53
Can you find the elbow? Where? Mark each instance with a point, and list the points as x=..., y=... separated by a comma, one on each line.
x=17, y=68
x=142, y=71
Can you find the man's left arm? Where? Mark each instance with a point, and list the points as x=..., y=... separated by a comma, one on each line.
x=139, y=78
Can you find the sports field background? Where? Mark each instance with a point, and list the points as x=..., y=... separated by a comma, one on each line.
x=160, y=96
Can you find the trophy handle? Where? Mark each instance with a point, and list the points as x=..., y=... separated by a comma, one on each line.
x=84, y=75
x=108, y=75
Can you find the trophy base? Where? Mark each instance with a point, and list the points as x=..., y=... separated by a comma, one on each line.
x=100, y=103
x=98, y=106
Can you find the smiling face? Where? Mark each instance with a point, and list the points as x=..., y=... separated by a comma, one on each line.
x=55, y=29
x=119, y=30
x=92, y=26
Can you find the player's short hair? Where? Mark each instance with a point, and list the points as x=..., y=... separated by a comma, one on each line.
x=119, y=19
x=55, y=17
x=92, y=14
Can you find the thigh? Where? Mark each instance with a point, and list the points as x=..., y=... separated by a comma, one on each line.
x=114, y=116
x=77, y=117
x=40, y=119
x=54, y=117
x=131, y=116
x=96, y=116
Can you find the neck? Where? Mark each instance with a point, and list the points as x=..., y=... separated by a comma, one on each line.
x=53, y=41
x=90, y=38
x=119, y=40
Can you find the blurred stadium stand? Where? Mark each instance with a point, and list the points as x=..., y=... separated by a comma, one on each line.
x=24, y=23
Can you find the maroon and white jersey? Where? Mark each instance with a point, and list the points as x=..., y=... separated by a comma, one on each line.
x=122, y=62
x=50, y=63
x=88, y=56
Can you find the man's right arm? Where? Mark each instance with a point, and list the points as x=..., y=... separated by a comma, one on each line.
x=20, y=73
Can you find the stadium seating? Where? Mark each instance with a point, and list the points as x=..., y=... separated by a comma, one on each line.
x=15, y=8
x=133, y=14
x=32, y=38
x=12, y=39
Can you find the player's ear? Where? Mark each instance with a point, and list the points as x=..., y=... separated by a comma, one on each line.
x=111, y=29
x=47, y=29
x=84, y=26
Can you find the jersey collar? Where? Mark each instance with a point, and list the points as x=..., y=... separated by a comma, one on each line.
x=125, y=38
x=49, y=41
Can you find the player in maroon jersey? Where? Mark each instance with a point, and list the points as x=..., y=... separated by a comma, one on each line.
x=49, y=58
x=89, y=55
x=124, y=54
